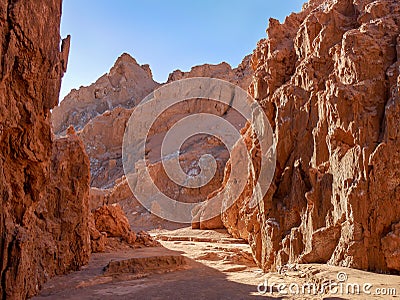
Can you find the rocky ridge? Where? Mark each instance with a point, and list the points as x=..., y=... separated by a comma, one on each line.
x=103, y=133
x=125, y=85
x=328, y=79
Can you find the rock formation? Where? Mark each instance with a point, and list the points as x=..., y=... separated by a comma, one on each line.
x=110, y=230
x=138, y=216
x=103, y=142
x=125, y=85
x=44, y=183
x=240, y=76
x=328, y=79
x=102, y=127
x=101, y=121
x=112, y=220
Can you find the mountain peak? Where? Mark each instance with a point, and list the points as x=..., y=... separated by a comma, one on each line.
x=126, y=58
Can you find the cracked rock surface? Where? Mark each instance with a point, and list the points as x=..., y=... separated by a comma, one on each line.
x=328, y=79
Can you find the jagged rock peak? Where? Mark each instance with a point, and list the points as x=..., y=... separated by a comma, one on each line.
x=240, y=75
x=126, y=84
x=125, y=58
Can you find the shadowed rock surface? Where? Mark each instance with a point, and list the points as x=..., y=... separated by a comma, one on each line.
x=44, y=182
x=328, y=79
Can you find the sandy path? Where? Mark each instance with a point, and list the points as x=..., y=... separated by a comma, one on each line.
x=217, y=267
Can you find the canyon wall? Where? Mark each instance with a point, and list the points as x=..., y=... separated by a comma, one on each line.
x=328, y=79
x=100, y=117
x=44, y=182
x=100, y=120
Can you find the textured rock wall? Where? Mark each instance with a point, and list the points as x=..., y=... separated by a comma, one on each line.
x=328, y=79
x=44, y=184
x=100, y=122
x=125, y=85
x=110, y=230
x=100, y=118
x=103, y=138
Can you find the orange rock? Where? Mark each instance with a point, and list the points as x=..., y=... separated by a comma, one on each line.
x=101, y=118
x=125, y=85
x=139, y=218
x=240, y=76
x=328, y=79
x=98, y=240
x=391, y=246
x=103, y=134
x=112, y=220
x=44, y=183
x=71, y=130
x=110, y=230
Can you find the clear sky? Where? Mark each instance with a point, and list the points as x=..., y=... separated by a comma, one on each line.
x=166, y=34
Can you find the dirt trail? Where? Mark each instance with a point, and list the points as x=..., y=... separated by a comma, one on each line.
x=195, y=264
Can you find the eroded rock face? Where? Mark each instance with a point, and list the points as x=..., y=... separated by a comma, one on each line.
x=138, y=216
x=240, y=76
x=328, y=79
x=391, y=246
x=103, y=131
x=110, y=230
x=125, y=85
x=103, y=138
x=44, y=183
x=112, y=220
x=65, y=214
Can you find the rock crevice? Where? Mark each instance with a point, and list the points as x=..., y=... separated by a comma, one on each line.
x=328, y=80
x=44, y=182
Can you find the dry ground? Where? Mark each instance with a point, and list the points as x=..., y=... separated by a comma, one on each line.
x=194, y=264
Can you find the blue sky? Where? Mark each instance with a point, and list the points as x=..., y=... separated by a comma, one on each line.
x=167, y=35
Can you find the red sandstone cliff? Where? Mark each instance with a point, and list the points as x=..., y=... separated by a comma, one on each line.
x=328, y=79
x=44, y=183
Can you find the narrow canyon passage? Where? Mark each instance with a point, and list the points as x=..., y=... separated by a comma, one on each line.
x=194, y=264
x=275, y=179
